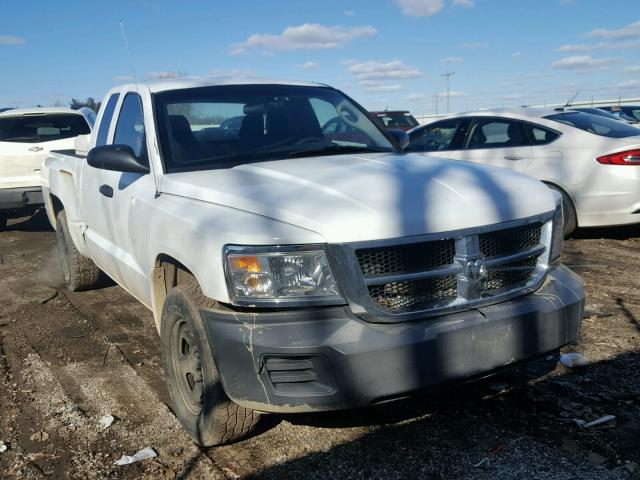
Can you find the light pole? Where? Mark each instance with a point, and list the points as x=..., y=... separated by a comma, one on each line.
x=448, y=76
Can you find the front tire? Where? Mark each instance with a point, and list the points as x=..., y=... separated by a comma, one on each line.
x=3, y=221
x=569, y=212
x=205, y=411
x=80, y=272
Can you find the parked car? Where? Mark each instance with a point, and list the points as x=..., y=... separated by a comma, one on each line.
x=289, y=270
x=396, y=119
x=629, y=113
x=593, y=161
x=603, y=113
x=26, y=138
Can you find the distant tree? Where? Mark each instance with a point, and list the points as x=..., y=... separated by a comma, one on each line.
x=90, y=102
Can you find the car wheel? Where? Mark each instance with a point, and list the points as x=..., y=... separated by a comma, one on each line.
x=3, y=221
x=205, y=411
x=80, y=272
x=569, y=212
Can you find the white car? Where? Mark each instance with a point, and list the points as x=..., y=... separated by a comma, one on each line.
x=26, y=138
x=593, y=161
x=295, y=268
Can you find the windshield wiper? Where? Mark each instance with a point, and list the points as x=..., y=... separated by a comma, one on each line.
x=335, y=149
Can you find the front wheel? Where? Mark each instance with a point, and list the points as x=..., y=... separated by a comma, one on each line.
x=3, y=221
x=568, y=210
x=205, y=411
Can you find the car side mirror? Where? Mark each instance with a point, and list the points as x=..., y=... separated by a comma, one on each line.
x=118, y=158
x=401, y=137
x=81, y=145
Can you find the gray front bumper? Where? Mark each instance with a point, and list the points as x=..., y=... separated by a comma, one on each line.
x=326, y=359
x=14, y=199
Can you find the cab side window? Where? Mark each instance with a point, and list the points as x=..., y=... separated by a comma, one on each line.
x=496, y=133
x=130, y=126
x=437, y=137
x=105, y=121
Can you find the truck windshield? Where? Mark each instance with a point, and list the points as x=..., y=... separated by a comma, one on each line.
x=222, y=126
x=605, y=127
x=39, y=127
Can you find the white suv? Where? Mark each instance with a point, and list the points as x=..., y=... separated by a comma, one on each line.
x=26, y=138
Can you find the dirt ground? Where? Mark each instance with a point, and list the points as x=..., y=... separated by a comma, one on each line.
x=67, y=359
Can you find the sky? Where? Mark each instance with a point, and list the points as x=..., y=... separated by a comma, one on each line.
x=383, y=53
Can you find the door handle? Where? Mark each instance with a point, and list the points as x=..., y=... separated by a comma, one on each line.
x=106, y=190
x=512, y=157
x=36, y=149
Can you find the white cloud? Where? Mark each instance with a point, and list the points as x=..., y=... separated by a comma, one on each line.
x=378, y=86
x=629, y=85
x=463, y=3
x=373, y=70
x=11, y=40
x=349, y=13
x=309, y=66
x=632, y=69
x=516, y=54
x=309, y=36
x=413, y=97
x=452, y=60
x=474, y=45
x=583, y=63
x=166, y=75
x=576, y=48
x=452, y=94
x=631, y=31
x=583, y=47
x=420, y=8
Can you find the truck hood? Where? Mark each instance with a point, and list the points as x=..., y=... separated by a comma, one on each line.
x=348, y=198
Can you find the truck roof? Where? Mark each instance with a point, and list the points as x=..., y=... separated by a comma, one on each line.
x=156, y=86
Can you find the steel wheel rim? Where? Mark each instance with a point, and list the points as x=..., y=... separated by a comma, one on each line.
x=187, y=366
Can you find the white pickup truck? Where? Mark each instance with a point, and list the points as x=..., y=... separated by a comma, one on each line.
x=295, y=259
x=26, y=138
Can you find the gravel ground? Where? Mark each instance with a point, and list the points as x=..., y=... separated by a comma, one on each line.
x=67, y=359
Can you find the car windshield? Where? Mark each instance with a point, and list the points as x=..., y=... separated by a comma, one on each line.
x=37, y=128
x=605, y=127
x=397, y=119
x=222, y=126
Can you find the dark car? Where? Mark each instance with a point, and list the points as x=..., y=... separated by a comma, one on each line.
x=396, y=119
x=629, y=113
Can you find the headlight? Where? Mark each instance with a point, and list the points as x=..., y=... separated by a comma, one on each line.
x=272, y=275
x=557, y=240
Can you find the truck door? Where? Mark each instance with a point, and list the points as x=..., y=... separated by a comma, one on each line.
x=116, y=203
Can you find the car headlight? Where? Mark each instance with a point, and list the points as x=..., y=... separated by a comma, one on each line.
x=280, y=275
x=557, y=239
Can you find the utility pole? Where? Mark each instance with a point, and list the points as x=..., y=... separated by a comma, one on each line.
x=448, y=76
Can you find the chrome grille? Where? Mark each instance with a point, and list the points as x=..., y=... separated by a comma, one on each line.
x=468, y=268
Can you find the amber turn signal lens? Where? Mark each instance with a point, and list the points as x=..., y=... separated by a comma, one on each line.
x=245, y=263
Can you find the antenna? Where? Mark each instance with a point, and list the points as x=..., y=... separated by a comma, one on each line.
x=135, y=81
x=133, y=67
x=570, y=101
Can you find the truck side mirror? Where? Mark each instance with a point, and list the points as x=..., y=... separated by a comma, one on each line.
x=118, y=158
x=401, y=137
